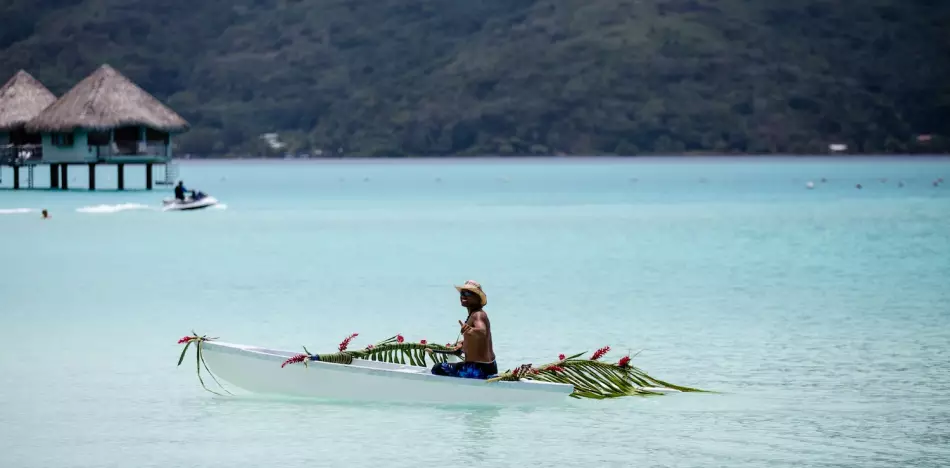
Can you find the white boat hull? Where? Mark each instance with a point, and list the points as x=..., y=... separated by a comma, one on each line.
x=258, y=370
x=171, y=204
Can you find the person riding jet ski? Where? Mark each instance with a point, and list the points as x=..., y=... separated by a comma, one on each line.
x=180, y=191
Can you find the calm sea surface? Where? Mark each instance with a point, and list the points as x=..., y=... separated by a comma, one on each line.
x=823, y=316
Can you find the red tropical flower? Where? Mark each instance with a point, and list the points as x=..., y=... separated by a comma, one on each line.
x=346, y=342
x=294, y=360
x=400, y=339
x=554, y=368
x=185, y=339
x=624, y=361
x=422, y=342
x=560, y=357
x=369, y=346
x=600, y=353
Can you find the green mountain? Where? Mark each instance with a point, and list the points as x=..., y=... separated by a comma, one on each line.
x=441, y=77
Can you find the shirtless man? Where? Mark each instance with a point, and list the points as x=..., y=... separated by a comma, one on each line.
x=476, y=344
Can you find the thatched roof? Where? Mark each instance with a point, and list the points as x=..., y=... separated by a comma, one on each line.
x=21, y=99
x=103, y=100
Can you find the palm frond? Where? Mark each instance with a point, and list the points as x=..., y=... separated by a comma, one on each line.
x=593, y=378
x=390, y=351
x=199, y=359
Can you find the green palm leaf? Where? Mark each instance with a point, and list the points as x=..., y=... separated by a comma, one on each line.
x=200, y=362
x=595, y=379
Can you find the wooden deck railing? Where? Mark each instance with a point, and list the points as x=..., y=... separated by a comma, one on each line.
x=22, y=154
x=134, y=149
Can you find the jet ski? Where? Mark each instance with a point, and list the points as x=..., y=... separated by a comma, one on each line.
x=196, y=201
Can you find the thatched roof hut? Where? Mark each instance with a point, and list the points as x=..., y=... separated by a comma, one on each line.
x=21, y=99
x=105, y=100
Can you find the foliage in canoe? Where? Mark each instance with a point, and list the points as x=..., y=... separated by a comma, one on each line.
x=199, y=359
x=591, y=378
x=393, y=350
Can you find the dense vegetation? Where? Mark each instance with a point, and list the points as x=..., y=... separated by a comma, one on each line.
x=438, y=77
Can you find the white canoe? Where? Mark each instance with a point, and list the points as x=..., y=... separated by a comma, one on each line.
x=171, y=204
x=258, y=370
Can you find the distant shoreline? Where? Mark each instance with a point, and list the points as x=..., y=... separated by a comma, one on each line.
x=574, y=158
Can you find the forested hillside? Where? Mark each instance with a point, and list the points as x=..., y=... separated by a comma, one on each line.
x=444, y=77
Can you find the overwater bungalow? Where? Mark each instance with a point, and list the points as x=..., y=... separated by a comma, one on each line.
x=22, y=98
x=104, y=119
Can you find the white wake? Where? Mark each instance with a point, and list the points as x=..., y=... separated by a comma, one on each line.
x=113, y=208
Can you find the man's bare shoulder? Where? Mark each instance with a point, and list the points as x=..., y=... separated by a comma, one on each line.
x=480, y=315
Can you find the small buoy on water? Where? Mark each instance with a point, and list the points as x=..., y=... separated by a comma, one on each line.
x=858, y=186
x=45, y=214
x=823, y=180
x=810, y=185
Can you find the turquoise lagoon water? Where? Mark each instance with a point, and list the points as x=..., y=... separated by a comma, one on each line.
x=823, y=316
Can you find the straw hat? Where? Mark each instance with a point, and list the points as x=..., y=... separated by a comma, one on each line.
x=476, y=288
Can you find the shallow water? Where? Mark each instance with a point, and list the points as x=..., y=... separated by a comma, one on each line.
x=821, y=315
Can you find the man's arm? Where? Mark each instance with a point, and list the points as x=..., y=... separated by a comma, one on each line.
x=478, y=326
x=457, y=350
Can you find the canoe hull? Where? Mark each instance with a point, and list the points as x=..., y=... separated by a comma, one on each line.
x=258, y=370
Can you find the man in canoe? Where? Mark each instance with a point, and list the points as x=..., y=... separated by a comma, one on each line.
x=476, y=344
